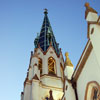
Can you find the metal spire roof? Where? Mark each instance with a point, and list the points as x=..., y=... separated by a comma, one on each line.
x=46, y=37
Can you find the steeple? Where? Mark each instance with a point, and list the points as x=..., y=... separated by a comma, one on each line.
x=46, y=65
x=46, y=37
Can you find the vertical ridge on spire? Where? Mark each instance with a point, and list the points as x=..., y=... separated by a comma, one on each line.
x=46, y=37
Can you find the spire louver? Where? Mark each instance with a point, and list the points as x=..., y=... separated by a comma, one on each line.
x=46, y=37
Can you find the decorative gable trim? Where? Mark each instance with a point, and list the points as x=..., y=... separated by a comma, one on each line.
x=82, y=61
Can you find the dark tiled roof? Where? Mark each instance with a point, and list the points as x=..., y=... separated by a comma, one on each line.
x=46, y=37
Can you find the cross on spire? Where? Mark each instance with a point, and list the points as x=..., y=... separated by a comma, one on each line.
x=45, y=11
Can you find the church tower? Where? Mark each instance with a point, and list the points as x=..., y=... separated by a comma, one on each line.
x=50, y=78
x=45, y=77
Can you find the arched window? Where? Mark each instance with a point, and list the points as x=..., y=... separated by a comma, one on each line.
x=92, y=91
x=51, y=66
x=40, y=65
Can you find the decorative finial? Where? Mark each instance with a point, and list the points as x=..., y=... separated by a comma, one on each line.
x=45, y=11
x=66, y=54
x=68, y=61
x=89, y=9
x=87, y=5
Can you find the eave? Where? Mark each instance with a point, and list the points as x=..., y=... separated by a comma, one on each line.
x=82, y=61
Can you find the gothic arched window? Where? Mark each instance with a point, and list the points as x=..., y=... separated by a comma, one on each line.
x=40, y=65
x=51, y=66
x=92, y=91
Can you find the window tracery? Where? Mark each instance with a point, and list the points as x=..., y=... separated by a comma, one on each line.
x=51, y=66
x=92, y=91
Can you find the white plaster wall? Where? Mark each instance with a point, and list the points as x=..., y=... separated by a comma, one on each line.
x=68, y=71
x=35, y=89
x=69, y=93
x=27, y=92
x=95, y=40
x=35, y=70
x=92, y=17
x=45, y=65
x=90, y=72
x=30, y=76
x=34, y=61
x=52, y=81
x=45, y=93
x=40, y=54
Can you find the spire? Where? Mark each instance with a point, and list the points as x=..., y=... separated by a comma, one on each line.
x=46, y=37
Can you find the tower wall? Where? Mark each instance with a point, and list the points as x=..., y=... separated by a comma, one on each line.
x=35, y=90
x=27, y=91
x=69, y=91
x=68, y=72
x=30, y=76
x=45, y=73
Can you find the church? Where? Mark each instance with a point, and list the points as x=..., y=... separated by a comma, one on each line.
x=50, y=77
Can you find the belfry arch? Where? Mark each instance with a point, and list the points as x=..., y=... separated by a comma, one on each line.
x=51, y=66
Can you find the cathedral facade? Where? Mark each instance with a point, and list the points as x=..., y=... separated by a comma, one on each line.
x=49, y=77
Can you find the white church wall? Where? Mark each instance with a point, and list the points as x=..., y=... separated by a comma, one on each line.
x=27, y=92
x=35, y=70
x=44, y=93
x=92, y=17
x=68, y=71
x=69, y=92
x=45, y=65
x=57, y=93
x=39, y=53
x=89, y=73
x=35, y=90
x=95, y=39
x=34, y=61
x=52, y=81
x=30, y=76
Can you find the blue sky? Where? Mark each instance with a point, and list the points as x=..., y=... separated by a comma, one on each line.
x=20, y=20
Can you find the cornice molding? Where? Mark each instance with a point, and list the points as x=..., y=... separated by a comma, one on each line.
x=82, y=61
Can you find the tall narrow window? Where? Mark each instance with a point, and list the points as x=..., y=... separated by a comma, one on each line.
x=40, y=65
x=51, y=66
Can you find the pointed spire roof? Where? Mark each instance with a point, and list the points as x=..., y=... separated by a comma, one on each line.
x=46, y=37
